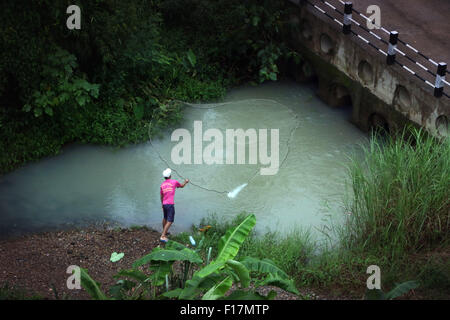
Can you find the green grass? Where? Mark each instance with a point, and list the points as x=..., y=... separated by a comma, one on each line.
x=401, y=196
x=289, y=251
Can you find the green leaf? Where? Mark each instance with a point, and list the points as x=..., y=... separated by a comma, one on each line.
x=169, y=255
x=138, y=111
x=275, y=280
x=163, y=107
x=401, y=289
x=37, y=112
x=134, y=274
x=175, y=245
x=255, y=20
x=116, y=256
x=122, y=285
x=172, y=293
x=219, y=290
x=161, y=269
x=210, y=280
x=81, y=100
x=91, y=286
x=231, y=242
x=263, y=266
x=49, y=111
x=192, y=58
x=241, y=270
x=95, y=88
x=191, y=288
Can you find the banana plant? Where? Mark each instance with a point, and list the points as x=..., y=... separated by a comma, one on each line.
x=211, y=281
x=159, y=261
x=215, y=279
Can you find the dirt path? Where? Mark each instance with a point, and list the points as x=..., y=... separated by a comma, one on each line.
x=38, y=263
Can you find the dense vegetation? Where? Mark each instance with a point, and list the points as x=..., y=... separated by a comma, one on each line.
x=126, y=65
x=200, y=274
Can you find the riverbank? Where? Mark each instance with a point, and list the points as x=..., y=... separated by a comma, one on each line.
x=35, y=265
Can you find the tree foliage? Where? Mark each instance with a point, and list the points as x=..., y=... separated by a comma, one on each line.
x=124, y=68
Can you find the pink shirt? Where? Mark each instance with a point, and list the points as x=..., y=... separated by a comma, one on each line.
x=167, y=190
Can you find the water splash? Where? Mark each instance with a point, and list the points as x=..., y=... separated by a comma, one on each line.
x=232, y=194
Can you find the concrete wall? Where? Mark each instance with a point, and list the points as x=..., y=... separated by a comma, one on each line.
x=347, y=68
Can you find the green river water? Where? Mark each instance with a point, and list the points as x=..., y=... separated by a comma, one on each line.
x=92, y=184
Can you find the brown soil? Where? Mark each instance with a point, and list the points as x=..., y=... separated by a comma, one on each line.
x=38, y=263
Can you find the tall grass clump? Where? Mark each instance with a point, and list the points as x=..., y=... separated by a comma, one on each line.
x=401, y=193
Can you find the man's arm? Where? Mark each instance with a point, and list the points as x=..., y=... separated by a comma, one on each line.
x=184, y=183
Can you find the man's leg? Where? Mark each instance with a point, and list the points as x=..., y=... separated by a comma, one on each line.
x=166, y=228
x=164, y=221
x=170, y=216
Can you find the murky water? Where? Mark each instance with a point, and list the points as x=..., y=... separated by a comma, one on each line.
x=87, y=184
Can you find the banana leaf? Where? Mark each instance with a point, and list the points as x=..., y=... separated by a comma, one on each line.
x=241, y=271
x=172, y=293
x=91, y=286
x=116, y=291
x=191, y=288
x=169, y=255
x=134, y=274
x=401, y=289
x=219, y=290
x=175, y=245
x=263, y=266
x=276, y=280
x=231, y=242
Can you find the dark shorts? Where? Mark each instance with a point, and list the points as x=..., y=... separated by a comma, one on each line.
x=169, y=212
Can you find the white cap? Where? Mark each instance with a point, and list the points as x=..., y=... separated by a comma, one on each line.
x=167, y=173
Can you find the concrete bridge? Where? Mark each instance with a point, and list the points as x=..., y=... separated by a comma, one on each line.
x=352, y=68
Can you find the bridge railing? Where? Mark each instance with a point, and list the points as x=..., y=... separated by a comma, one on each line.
x=389, y=39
